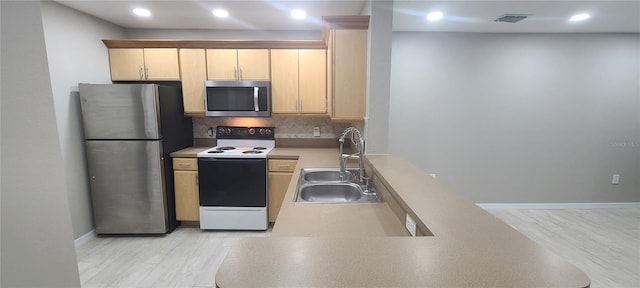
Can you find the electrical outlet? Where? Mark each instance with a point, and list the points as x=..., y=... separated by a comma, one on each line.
x=411, y=225
x=433, y=175
x=316, y=131
x=615, y=180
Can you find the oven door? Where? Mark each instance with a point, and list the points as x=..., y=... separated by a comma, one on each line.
x=232, y=182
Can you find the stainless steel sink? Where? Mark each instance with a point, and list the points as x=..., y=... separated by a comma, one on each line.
x=331, y=193
x=325, y=175
x=324, y=185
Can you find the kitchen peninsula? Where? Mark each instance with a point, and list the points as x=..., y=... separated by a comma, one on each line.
x=365, y=245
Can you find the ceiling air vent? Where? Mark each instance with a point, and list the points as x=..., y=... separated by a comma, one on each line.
x=511, y=18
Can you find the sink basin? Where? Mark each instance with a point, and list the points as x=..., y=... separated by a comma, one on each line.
x=324, y=185
x=330, y=193
x=325, y=175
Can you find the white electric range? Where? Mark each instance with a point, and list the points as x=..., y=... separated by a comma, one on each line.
x=232, y=179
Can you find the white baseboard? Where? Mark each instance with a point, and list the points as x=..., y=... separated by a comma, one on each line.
x=613, y=205
x=85, y=238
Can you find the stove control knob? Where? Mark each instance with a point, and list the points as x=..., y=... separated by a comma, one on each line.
x=221, y=131
x=252, y=131
x=268, y=131
x=227, y=130
x=262, y=131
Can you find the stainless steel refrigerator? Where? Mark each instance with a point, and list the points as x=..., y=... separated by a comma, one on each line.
x=130, y=130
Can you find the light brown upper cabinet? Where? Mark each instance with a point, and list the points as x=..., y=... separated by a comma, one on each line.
x=298, y=81
x=135, y=64
x=238, y=64
x=193, y=73
x=347, y=74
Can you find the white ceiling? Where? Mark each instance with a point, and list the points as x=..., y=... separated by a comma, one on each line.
x=460, y=16
x=196, y=14
x=544, y=16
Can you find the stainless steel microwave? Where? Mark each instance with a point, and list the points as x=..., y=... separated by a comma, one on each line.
x=238, y=98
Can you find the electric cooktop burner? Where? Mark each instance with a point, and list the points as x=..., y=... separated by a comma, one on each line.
x=252, y=152
x=226, y=148
x=215, y=151
x=259, y=148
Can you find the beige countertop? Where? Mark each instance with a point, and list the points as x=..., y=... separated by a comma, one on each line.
x=365, y=245
x=191, y=152
x=318, y=220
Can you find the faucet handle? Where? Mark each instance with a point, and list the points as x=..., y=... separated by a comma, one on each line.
x=365, y=181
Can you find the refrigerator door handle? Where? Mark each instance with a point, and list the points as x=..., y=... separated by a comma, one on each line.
x=255, y=98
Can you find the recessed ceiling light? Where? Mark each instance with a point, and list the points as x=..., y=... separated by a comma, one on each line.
x=142, y=12
x=434, y=16
x=298, y=14
x=579, y=17
x=221, y=13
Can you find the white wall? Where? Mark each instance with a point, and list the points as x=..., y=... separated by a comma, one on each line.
x=379, y=70
x=37, y=238
x=520, y=117
x=1, y=149
x=76, y=54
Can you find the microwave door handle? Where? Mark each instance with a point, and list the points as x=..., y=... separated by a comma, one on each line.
x=255, y=98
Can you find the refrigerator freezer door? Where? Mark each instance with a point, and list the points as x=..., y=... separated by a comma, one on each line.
x=120, y=111
x=127, y=186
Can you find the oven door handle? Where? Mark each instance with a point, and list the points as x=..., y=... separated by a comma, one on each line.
x=255, y=98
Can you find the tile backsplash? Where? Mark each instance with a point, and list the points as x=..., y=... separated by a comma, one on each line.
x=286, y=127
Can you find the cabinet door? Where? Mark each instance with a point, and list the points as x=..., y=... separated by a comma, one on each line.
x=222, y=64
x=254, y=64
x=282, y=165
x=278, y=185
x=284, y=81
x=126, y=64
x=187, y=197
x=349, y=73
x=161, y=64
x=312, y=68
x=330, y=73
x=193, y=73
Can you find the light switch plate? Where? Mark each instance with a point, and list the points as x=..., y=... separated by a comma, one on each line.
x=316, y=131
x=411, y=225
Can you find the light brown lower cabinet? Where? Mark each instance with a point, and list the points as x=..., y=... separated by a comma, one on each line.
x=185, y=176
x=280, y=173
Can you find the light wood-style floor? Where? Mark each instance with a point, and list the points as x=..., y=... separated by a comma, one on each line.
x=188, y=257
x=605, y=243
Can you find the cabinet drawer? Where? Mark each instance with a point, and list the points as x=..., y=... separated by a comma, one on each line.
x=185, y=163
x=281, y=165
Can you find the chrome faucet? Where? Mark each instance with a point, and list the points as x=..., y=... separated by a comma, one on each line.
x=356, y=139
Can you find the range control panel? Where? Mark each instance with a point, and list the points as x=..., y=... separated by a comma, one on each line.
x=234, y=132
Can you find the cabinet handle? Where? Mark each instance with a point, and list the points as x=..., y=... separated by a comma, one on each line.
x=300, y=105
x=140, y=72
x=197, y=180
x=146, y=72
x=240, y=73
x=235, y=72
x=284, y=166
